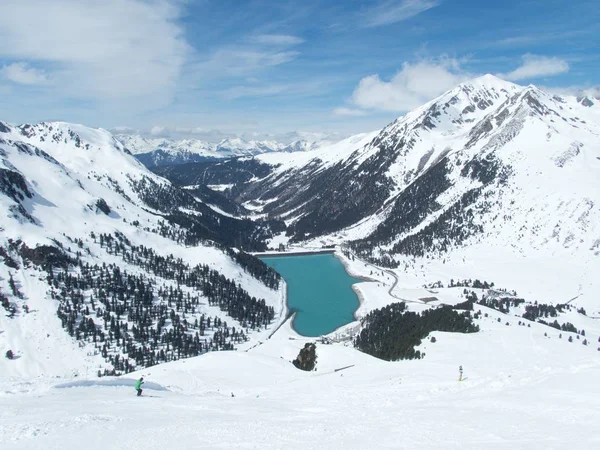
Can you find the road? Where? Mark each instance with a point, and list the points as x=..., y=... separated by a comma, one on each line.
x=394, y=276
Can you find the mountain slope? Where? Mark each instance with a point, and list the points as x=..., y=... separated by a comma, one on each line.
x=521, y=389
x=486, y=154
x=532, y=164
x=95, y=262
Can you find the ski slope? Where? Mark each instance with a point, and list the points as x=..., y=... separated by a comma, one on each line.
x=524, y=387
x=521, y=392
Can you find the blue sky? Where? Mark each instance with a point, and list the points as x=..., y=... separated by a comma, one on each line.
x=189, y=67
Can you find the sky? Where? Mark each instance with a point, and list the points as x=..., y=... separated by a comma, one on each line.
x=273, y=68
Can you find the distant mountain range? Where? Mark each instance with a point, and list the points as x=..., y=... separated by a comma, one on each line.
x=162, y=152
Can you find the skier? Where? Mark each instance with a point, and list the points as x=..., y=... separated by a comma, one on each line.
x=460, y=371
x=138, y=386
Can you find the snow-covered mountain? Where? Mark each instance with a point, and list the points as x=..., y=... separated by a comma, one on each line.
x=97, y=254
x=488, y=146
x=488, y=167
x=162, y=152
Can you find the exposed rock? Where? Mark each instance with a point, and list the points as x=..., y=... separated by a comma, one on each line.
x=307, y=358
x=42, y=255
x=585, y=101
x=103, y=206
x=8, y=260
x=14, y=185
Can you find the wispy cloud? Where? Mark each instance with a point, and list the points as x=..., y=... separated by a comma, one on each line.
x=251, y=55
x=243, y=61
x=525, y=37
x=276, y=39
x=409, y=88
x=349, y=112
x=22, y=73
x=534, y=66
x=254, y=91
x=216, y=135
x=124, y=130
x=393, y=11
x=260, y=88
x=180, y=132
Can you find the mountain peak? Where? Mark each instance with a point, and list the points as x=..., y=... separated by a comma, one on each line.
x=490, y=78
x=491, y=81
x=4, y=128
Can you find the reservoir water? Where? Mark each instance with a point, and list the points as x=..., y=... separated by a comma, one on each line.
x=319, y=290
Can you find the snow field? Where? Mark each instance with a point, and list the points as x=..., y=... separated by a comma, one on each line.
x=521, y=390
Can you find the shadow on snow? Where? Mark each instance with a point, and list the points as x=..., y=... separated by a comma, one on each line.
x=115, y=382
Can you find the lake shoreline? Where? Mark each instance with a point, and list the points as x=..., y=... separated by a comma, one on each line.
x=299, y=253
x=361, y=299
x=362, y=278
x=292, y=308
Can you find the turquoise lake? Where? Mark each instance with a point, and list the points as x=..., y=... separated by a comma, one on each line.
x=319, y=290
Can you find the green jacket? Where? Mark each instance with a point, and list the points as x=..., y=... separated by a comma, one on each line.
x=138, y=385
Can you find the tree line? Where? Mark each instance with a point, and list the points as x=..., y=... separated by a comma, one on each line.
x=392, y=333
x=156, y=314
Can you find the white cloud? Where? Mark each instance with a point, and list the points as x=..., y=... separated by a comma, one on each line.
x=215, y=135
x=591, y=91
x=277, y=39
x=253, y=91
x=349, y=112
x=578, y=91
x=393, y=11
x=412, y=86
x=177, y=132
x=157, y=130
x=21, y=73
x=123, y=130
x=270, y=89
x=247, y=57
x=99, y=49
x=534, y=66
